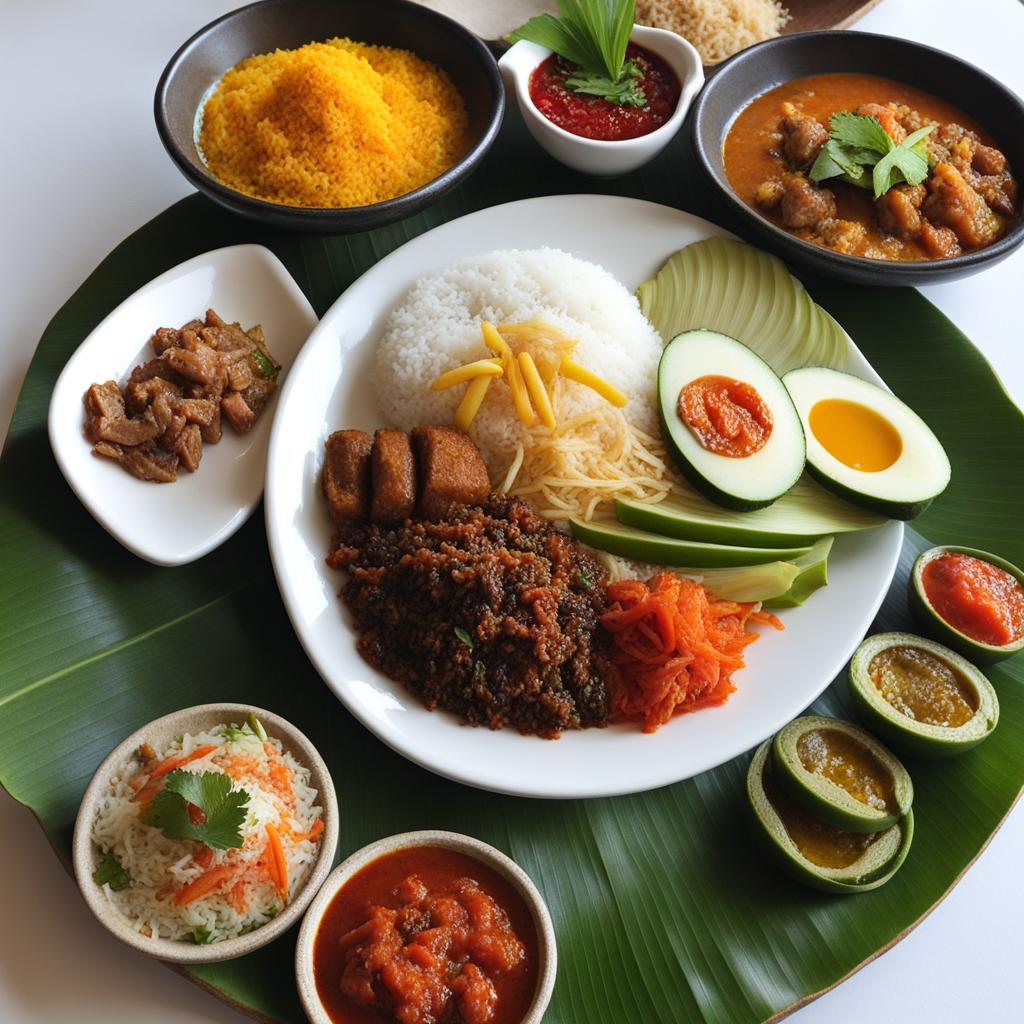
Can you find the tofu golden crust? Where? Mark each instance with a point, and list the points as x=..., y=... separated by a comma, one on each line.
x=452, y=471
x=346, y=476
x=393, y=478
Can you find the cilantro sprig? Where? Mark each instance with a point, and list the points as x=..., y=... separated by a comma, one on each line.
x=592, y=34
x=859, y=150
x=110, y=872
x=220, y=810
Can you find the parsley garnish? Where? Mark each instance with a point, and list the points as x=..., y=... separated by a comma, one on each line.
x=222, y=809
x=860, y=151
x=111, y=873
x=264, y=365
x=623, y=90
x=464, y=637
x=202, y=936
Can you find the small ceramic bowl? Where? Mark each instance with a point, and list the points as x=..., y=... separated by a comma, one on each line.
x=598, y=157
x=751, y=72
x=287, y=24
x=84, y=854
x=488, y=855
x=974, y=650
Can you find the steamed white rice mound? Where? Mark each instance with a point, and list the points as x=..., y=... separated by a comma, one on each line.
x=437, y=327
x=159, y=867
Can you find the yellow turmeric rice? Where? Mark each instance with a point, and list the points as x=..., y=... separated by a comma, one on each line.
x=333, y=124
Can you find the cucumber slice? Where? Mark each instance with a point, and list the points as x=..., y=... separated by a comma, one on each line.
x=812, y=574
x=913, y=735
x=626, y=542
x=749, y=582
x=841, y=775
x=860, y=862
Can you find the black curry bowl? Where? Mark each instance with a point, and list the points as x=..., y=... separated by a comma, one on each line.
x=287, y=24
x=754, y=71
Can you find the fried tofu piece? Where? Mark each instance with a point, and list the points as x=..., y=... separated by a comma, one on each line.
x=393, y=478
x=346, y=476
x=452, y=471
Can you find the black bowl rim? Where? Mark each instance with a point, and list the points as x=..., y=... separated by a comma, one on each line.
x=923, y=269
x=388, y=209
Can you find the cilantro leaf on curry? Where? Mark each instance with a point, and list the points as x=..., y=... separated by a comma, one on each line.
x=218, y=814
x=623, y=91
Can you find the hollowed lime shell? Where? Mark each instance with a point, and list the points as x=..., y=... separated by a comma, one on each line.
x=827, y=800
x=906, y=734
x=931, y=621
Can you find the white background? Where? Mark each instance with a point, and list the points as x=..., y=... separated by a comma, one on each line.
x=80, y=168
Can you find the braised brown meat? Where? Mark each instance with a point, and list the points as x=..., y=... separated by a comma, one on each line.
x=899, y=210
x=802, y=139
x=951, y=201
x=451, y=470
x=346, y=476
x=803, y=204
x=393, y=477
x=491, y=614
x=171, y=405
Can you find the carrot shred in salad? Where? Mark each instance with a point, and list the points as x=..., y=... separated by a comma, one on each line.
x=675, y=647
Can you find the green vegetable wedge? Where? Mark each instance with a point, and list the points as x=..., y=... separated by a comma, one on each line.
x=812, y=574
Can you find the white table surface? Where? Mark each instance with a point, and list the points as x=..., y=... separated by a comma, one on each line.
x=81, y=168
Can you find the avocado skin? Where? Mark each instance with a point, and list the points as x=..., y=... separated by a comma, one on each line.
x=903, y=510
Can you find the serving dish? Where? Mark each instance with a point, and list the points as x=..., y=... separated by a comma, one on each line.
x=159, y=732
x=244, y=282
x=597, y=157
x=272, y=24
x=467, y=845
x=754, y=71
x=327, y=390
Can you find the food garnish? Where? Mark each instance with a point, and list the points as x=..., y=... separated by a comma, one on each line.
x=921, y=697
x=199, y=806
x=859, y=150
x=110, y=872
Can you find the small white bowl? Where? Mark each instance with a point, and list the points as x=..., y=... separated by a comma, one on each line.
x=488, y=855
x=84, y=854
x=598, y=157
x=171, y=524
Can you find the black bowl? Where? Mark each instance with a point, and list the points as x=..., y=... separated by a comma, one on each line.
x=287, y=24
x=762, y=67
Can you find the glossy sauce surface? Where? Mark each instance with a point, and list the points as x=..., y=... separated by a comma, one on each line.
x=727, y=417
x=922, y=687
x=440, y=945
x=841, y=759
x=595, y=118
x=855, y=435
x=981, y=600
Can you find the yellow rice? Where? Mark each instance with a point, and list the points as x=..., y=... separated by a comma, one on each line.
x=333, y=124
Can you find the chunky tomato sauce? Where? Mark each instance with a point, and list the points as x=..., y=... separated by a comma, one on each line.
x=981, y=600
x=426, y=936
x=595, y=118
x=727, y=417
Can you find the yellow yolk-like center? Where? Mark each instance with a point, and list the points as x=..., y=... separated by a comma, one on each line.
x=855, y=435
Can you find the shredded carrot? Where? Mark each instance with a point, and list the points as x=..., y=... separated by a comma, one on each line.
x=205, y=884
x=277, y=861
x=313, y=834
x=676, y=647
x=236, y=896
x=146, y=792
x=202, y=855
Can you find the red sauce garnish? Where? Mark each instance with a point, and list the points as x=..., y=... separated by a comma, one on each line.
x=596, y=118
x=425, y=936
x=727, y=417
x=978, y=598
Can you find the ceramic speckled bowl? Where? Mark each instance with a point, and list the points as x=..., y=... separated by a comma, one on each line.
x=467, y=845
x=85, y=858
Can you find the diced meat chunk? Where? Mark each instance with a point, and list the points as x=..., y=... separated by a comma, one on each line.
x=105, y=418
x=804, y=204
x=952, y=202
x=346, y=476
x=393, y=477
x=203, y=365
x=802, y=139
x=237, y=413
x=145, y=461
x=451, y=470
x=888, y=117
x=845, y=236
x=938, y=242
x=988, y=160
x=898, y=210
x=999, y=191
x=211, y=432
x=190, y=447
x=769, y=193
x=258, y=393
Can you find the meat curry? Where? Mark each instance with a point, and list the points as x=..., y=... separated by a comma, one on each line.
x=966, y=200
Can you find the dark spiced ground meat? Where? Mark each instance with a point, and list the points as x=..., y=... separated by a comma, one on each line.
x=491, y=614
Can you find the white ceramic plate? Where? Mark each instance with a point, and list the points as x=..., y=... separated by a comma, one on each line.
x=329, y=388
x=171, y=524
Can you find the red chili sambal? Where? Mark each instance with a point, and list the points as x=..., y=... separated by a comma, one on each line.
x=981, y=600
x=426, y=936
x=595, y=118
x=728, y=417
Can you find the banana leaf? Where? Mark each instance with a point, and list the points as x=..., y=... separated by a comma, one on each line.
x=663, y=911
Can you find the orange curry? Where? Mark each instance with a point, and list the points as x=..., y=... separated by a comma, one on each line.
x=966, y=201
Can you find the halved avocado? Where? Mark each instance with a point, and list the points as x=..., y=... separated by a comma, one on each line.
x=934, y=623
x=841, y=774
x=748, y=482
x=909, y=731
x=865, y=445
x=652, y=547
x=843, y=862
